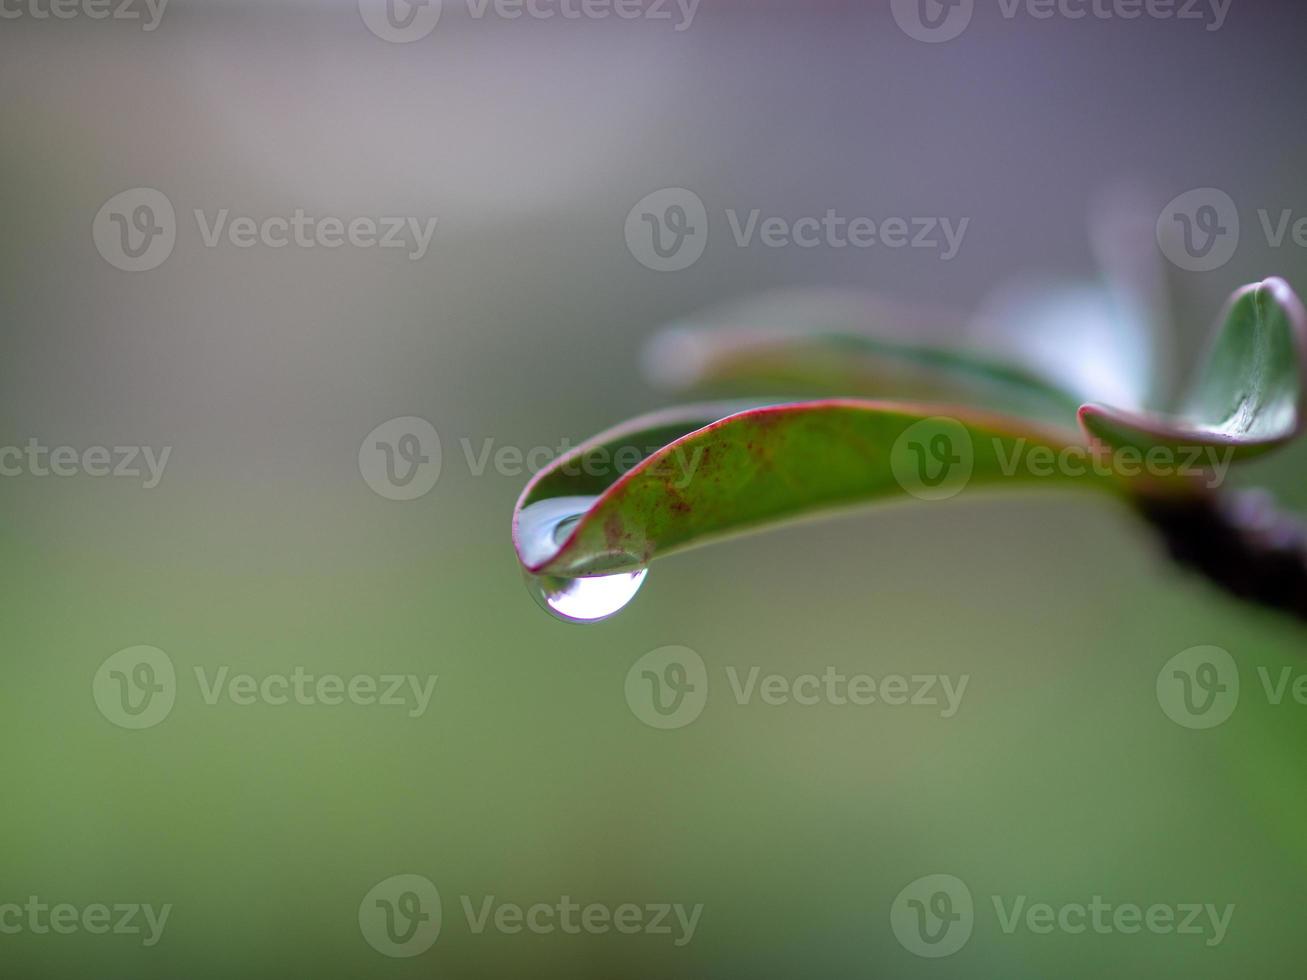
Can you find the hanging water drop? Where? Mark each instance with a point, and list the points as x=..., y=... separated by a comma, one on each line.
x=585, y=600
x=543, y=527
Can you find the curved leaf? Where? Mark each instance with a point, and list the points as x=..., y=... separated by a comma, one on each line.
x=1109, y=338
x=1081, y=335
x=1039, y=347
x=1250, y=395
x=845, y=343
x=743, y=470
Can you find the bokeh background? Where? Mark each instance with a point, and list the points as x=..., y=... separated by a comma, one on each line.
x=529, y=777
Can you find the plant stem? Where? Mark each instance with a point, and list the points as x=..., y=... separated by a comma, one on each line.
x=1239, y=540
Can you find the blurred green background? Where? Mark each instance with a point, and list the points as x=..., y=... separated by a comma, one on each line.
x=529, y=777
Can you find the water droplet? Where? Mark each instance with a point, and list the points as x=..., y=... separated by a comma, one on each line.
x=585, y=600
x=542, y=528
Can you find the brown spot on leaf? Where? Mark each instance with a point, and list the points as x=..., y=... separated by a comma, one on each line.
x=614, y=531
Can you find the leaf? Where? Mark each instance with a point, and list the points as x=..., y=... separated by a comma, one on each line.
x=1038, y=348
x=1248, y=397
x=1144, y=287
x=844, y=343
x=1079, y=335
x=715, y=470
x=1110, y=338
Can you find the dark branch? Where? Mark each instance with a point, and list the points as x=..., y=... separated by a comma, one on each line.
x=1240, y=541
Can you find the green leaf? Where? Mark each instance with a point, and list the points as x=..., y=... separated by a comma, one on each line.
x=710, y=471
x=1145, y=290
x=1039, y=347
x=1110, y=338
x=843, y=343
x=1248, y=397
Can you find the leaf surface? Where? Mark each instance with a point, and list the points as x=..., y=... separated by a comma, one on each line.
x=710, y=471
x=1249, y=394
